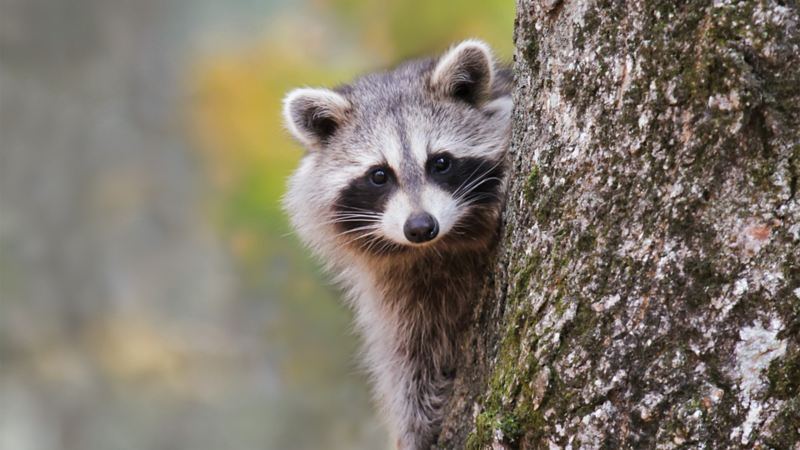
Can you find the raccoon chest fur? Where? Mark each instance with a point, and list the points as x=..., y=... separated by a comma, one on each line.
x=427, y=302
x=400, y=193
x=412, y=327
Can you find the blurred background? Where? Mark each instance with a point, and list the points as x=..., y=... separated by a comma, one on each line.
x=151, y=295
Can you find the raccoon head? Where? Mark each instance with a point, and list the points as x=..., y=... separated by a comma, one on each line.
x=407, y=161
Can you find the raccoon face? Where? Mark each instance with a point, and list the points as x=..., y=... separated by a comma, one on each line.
x=405, y=161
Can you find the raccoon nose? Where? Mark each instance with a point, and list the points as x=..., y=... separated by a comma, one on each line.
x=421, y=228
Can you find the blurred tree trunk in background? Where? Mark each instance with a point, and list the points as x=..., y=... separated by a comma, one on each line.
x=646, y=292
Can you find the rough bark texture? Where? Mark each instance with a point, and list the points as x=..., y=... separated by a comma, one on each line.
x=646, y=292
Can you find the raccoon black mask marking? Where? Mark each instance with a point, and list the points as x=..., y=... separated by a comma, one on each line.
x=400, y=192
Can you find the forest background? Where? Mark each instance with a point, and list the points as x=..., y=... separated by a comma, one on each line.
x=152, y=296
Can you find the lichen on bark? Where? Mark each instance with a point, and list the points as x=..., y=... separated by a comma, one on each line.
x=646, y=292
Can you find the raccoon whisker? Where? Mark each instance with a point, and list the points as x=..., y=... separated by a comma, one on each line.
x=347, y=209
x=467, y=193
x=368, y=246
x=471, y=199
x=360, y=213
x=384, y=244
x=362, y=236
x=470, y=181
x=365, y=235
x=366, y=226
x=352, y=219
x=475, y=186
x=481, y=196
x=372, y=221
x=377, y=252
x=466, y=181
x=474, y=200
x=357, y=213
x=371, y=239
x=355, y=230
x=372, y=234
x=386, y=247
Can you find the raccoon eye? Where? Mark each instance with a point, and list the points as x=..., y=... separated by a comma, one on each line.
x=378, y=177
x=441, y=165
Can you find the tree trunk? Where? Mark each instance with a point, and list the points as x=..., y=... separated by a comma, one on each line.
x=646, y=290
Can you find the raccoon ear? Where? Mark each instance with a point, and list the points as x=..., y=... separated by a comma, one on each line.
x=465, y=72
x=314, y=115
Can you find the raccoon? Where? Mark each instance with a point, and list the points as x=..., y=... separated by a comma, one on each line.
x=400, y=192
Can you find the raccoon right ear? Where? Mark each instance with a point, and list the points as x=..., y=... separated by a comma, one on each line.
x=465, y=72
x=314, y=115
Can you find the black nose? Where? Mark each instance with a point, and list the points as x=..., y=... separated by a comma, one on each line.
x=421, y=228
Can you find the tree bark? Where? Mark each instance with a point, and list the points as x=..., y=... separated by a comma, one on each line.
x=646, y=289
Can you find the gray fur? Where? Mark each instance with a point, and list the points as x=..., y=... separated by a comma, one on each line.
x=411, y=300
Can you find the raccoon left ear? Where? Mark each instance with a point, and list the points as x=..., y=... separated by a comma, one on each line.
x=465, y=72
x=314, y=115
